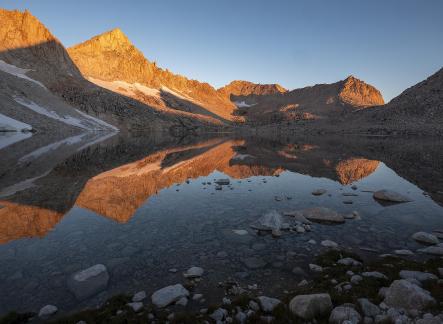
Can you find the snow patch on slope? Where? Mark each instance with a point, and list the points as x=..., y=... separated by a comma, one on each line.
x=8, y=124
x=18, y=72
x=126, y=88
x=243, y=104
x=88, y=123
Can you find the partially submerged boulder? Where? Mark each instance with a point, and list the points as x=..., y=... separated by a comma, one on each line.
x=323, y=214
x=88, y=282
x=390, y=196
x=168, y=295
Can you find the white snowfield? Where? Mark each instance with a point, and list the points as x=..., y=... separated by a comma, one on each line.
x=131, y=89
x=18, y=72
x=88, y=123
x=8, y=124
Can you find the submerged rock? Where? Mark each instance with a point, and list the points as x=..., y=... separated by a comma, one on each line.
x=268, y=222
x=391, y=196
x=254, y=262
x=88, y=282
x=403, y=294
x=425, y=238
x=194, y=272
x=47, y=311
x=319, y=192
x=349, y=262
x=222, y=182
x=298, y=216
x=310, y=306
x=168, y=295
x=433, y=250
x=329, y=244
x=323, y=214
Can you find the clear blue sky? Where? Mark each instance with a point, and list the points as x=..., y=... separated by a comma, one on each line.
x=391, y=44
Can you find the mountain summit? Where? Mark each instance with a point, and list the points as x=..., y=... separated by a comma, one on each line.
x=111, y=57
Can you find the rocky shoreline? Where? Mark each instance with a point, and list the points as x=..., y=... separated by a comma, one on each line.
x=343, y=288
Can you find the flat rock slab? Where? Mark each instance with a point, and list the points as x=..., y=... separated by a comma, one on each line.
x=322, y=214
x=169, y=295
x=88, y=282
x=391, y=196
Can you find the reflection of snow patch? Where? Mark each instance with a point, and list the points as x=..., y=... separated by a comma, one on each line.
x=126, y=88
x=9, y=138
x=51, y=147
x=89, y=123
x=26, y=184
x=18, y=72
x=242, y=157
x=8, y=124
x=243, y=104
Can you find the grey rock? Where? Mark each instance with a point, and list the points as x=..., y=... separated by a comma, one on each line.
x=404, y=252
x=272, y=220
x=268, y=304
x=138, y=297
x=426, y=238
x=182, y=301
x=136, y=306
x=329, y=244
x=374, y=274
x=368, y=308
x=356, y=279
x=418, y=275
x=322, y=214
x=168, y=295
x=433, y=250
x=254, y=306
x=310, y=306
x=315, y=267
x=391, y=196
x=403, y=294
x=47, y=311
x=319, y=192
x=194, y=272
x=88, y=282
x=344, y=313
x=349, y=262
x=197, y=296
x=298, y=217
x=219, y=314
x=222, y=182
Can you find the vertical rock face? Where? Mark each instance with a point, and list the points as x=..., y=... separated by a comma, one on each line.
x=27, y=43
x=359, y=94
x=112, y=57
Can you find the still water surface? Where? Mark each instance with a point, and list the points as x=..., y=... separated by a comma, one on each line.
x=142, y=207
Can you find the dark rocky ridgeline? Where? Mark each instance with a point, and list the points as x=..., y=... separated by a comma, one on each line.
x=344, y=289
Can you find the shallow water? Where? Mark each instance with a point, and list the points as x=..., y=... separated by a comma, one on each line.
x=142, y=207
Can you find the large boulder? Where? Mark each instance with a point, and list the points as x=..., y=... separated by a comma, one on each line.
x=391, y=196
x=404, y=294
x=368, y=308
x=88, y=282
x=344, y=313
x=310, y=306
x=323, y=214
x=268, y=304
x=433, y=250
x=168, y=295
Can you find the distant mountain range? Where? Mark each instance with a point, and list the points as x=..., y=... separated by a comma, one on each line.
x=106, y=83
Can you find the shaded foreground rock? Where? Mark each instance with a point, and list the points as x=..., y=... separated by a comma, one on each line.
x=168, y=295
x=88, y=282
x=268, y=304
x=322, y=214
x=391, y=196
x=403, y=294
x=344, y=313
x=47, y=311
x=311, y=306
x=425, y=238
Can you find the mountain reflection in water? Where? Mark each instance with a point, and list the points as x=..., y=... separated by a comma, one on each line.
x=141, y=206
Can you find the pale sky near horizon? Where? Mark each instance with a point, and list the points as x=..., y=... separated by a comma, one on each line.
x=391, y=44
